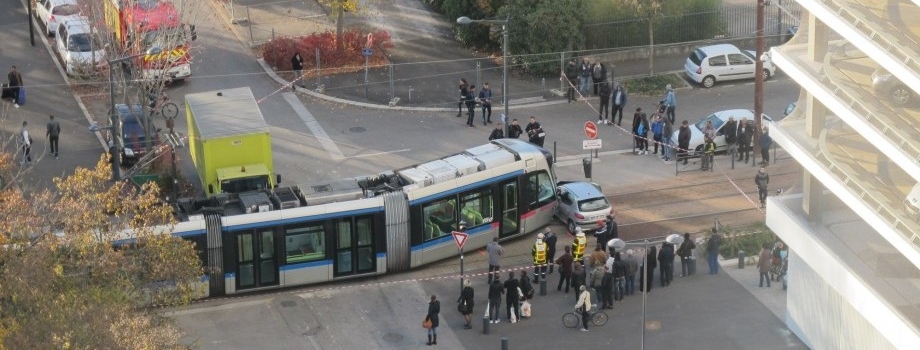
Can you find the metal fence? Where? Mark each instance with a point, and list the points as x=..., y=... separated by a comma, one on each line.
x=728, y=21
x=266, y=21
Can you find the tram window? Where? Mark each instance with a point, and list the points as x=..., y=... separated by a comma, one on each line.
x=344, y=232
x=439, y=218
x=476, y=207
x=541, y=189
x=363, y=228
x=304, y=243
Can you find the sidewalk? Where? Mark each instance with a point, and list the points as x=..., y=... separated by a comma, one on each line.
x=427, y=65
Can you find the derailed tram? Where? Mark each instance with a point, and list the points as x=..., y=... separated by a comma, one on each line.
x=394, y=221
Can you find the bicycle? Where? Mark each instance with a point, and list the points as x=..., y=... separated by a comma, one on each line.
x=573, y=319
x=162, y=105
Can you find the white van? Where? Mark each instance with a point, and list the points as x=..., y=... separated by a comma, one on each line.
x=708, y=64
x=79, y=46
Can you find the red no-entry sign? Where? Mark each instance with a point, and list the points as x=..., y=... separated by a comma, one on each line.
x=590, y=130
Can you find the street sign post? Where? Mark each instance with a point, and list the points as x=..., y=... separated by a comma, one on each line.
x=590, y=130
x=460, y=238
x=591, y=144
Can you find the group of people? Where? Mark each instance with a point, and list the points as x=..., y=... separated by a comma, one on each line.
x=25, y=141
x=533, y=129
x=773, y=263
x=469, y=98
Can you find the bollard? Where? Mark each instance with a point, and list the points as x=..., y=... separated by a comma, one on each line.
x=543, y=287
x=740, y=259
x=504, y=343
x=485, y=325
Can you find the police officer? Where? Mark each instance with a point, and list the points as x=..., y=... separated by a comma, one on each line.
x=539, y=258
x=578, y=246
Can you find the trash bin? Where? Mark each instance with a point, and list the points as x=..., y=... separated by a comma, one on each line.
x=586, y=163
x=740, y=259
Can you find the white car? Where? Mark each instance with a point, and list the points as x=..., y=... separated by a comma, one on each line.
x=718, y=120
x=79, y=46
x=54, y=12
x=708, y=64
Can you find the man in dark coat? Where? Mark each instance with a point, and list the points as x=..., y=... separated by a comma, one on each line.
x=512, y=299
x=730, y=130
x=605, y=103
x=744, y=136
x=765, y=143
x=550, y=239
x=571, y=77
x=651, y=263
x=15, y=83
x=497, y=133
x=683, y=141
x=666, y=264
x=471, y=105
x=598, y=75
x=618, y=97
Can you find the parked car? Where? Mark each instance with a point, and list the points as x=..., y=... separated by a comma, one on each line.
x=79, y=46
x=581, y=204
x=133, y=135
x=709, y=64
x=718, y=120
x=54, y=12
x=887, y=86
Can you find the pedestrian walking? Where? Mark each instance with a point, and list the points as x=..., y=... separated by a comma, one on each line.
x=495, y=258
x=683, y=141
x=297, y=68
x=762, y=180
x=670, y=102
x=764, y=264
x=15, y=85
x=712, y=251
x=464, y=91
x=465, y=303
x=666, y=264
x=535, y=132
x=53, y=133
x=565, y=269
x=497, y=133
x=471, y=106
x=619, y=102
x=25, y=143
x=641, y=131
x=579, y=275
x=657, y=131
x=538, y=252
x=434, y=309
x=495, y=300
x=605, y=103
x=514, y=130
x=485, y=99
x=685, y=252
x=765, y=143
x=583, y=306
x=550, y=239
x=512, y=298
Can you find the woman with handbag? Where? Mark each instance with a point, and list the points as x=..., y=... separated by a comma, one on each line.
x=431, y=320
x=465, y=303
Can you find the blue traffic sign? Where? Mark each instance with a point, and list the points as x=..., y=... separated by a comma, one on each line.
x=367, y=52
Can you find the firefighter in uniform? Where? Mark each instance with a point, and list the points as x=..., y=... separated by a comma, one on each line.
x=539, y=258
x=578, y=246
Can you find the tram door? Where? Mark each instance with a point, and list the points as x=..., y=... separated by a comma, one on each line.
x=509, y=206
x=354, y=246
x=256, y=259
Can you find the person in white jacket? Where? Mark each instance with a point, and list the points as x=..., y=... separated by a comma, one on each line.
x=583, y=306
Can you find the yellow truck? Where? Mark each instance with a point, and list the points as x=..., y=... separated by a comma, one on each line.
x=230, y=142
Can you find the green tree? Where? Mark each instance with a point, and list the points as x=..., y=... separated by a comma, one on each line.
x=539, y=30
x=65, y=286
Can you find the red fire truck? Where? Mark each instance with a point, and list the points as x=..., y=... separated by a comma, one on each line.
x=139, y=25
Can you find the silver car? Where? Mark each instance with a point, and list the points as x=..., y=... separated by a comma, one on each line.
x=581, y=204
x=885, y=85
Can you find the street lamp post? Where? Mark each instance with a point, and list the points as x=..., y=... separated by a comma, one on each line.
x=619, y=244
x=504, y=23
x=114, y=123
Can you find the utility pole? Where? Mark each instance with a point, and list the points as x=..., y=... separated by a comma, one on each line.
x=758, y=80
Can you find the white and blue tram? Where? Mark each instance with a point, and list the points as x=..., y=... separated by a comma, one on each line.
x=355, y=227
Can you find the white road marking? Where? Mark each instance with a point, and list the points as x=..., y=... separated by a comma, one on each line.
x=381, y=153
x=314, y=126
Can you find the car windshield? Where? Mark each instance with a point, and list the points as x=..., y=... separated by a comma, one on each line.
x=749, y=55
x=85, y=42
x=697, y=57
x=593, y=204
x=66, y=10
x=716, y=123
x=165, y=39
